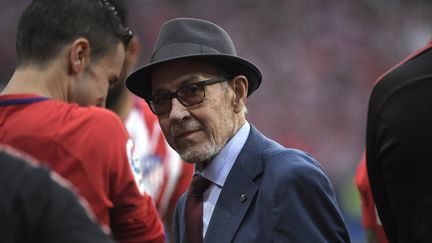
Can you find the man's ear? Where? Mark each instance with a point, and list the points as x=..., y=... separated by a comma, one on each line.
x=132, y=54
x=79, y=55
x=239, y=84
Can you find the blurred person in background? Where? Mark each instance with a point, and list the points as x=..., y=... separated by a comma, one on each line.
x=37, y=205
x=246, y=187
x=371, y=223
x=68, y=53
x=398, y=148
x=165, y=176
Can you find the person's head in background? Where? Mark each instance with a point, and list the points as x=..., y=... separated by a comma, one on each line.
x=119, y=98
x=75, y=48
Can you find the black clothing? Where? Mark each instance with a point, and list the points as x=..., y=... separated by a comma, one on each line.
x=35, y=207
x=398, y=146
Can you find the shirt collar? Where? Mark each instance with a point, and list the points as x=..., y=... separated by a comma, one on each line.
x=20, y=99
x=219, y=167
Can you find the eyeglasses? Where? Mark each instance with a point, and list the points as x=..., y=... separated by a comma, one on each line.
x=124, y=33
x=188, y=95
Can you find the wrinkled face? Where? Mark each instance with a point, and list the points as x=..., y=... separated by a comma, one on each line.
x=196, y=132
x=94, y=84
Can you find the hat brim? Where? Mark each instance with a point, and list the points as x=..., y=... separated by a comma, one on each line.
x=139, y=83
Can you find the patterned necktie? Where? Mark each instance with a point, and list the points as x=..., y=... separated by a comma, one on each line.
x=194, y=209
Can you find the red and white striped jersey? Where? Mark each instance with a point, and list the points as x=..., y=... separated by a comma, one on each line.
x=165, y=175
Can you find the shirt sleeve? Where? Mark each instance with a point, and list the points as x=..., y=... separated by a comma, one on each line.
x=133, y=217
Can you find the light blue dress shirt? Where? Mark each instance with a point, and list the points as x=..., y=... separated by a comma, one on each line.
x=218, y=169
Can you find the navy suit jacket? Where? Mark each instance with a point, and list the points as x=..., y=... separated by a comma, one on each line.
x=288, y=199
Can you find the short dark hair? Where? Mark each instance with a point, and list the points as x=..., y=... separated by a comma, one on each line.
x=122, y=9
x=47, y=26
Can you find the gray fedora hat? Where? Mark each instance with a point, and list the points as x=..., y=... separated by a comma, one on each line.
x=187, y=38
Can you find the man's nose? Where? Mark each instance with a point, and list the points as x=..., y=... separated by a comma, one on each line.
x=178, y=110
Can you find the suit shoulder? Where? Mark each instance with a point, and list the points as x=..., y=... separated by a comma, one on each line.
x=295, y=171
x=287, y=157
x=291, y=164
x=274, y=155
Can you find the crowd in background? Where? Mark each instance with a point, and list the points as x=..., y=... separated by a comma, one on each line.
x=319, y=60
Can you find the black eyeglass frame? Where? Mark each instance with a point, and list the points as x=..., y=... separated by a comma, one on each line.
x=175, y=94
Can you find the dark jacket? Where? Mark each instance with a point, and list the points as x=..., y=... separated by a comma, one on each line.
x=288, y=199
x=398, y=148
x=35, y=207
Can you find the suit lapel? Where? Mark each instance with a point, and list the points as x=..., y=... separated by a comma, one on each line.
x=237, y=193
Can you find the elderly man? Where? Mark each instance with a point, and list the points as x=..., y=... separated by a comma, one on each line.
x=246, y=187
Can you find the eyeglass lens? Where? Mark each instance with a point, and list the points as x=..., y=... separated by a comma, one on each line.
x=189, y=95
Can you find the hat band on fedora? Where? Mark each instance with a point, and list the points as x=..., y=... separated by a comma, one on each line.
x=175, y=50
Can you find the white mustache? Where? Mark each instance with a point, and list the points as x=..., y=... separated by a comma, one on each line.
x=179, y=128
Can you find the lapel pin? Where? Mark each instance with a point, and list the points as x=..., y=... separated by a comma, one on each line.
x=243, y=198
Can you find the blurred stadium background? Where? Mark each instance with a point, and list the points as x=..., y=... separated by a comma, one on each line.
x=319, y=61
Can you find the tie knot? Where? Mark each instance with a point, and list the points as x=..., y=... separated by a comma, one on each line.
x=198, y=186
